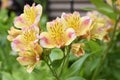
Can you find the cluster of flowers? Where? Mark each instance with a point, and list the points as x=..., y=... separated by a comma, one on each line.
x=28, y=41
x=116, y=3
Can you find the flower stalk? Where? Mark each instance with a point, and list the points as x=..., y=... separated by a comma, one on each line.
x=106, y=51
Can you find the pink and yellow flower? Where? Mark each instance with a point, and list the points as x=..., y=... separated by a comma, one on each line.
x=101, y=25
x=57, y=36
x=26, y=38
x=80, y=24
x=6, y=3
x=109, y=2
x=116, y=3
x=31, y=57
x=31, y=16
x=77, y=49
x=13, y=33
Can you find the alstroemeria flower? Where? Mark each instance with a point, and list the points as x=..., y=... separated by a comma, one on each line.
x=109, y=2
x=116, y=3
x=6, y=3
x=13, y=33
x=80, y=24
x=31, y=16
x=27, y=37
x=101, y=25
x=77, y=49
x=31, y=57
x=57, y=36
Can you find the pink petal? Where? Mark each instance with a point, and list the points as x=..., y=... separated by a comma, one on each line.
x=85, y=25
x=70, y=32
x=45, y=40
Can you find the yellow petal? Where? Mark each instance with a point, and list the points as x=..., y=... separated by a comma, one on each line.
x=19, y=22
x=72, y=21
x=13, y=33
x=26, y=60
x=46, y=41
x=77, y=49
x=30, y=68
x=31, y=16
x=70, y=33
x=109, y=2
x=58, y=34
x=18, y=44
x=85, y=25
x=23, y=41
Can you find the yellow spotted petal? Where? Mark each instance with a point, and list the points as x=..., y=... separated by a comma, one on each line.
x=28, y=36
x=72, y=21
x=13, y=33
x=57, y=36
x=30, y=68
x=70, y=35
x=46, y=41
x=77, y=49
x=100, y=27
x=26, y=60
x=31, y=16
x=80, y=24
x=109, y=2
x=85, y=25
x=30, y=57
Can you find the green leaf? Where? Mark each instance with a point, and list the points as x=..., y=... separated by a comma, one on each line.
x=6, y=76
x=87, y=9
x=93, y=46
x=56, y=54
x=56, y=63
x=75, y=78
x=104, y=8
x=44, y=19
x=3, y=15
x=76, y=66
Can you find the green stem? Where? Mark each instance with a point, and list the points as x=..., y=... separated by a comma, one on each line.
x=64, y=59
x=51, y=68
x=106, y=51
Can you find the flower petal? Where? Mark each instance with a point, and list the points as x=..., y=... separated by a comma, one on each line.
x=70, y=33
x=38, y=10
x=26, y=60
x=31, y=16
x=85, y=25
x=30, y=68
x=19, y=22
x=45, y=40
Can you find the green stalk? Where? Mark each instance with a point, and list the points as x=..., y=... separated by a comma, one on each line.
x=64, y=60
x=106, y=51
x=51, y=68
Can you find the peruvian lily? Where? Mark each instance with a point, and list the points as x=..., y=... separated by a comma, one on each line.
x=57, y=36
x=77, y=49
x=100, y=27
x=31, y=16
x=31, y=57
x=13, y=33
x=6, y=3
x=116, y=3
x=27, y=37
x=80, y=24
